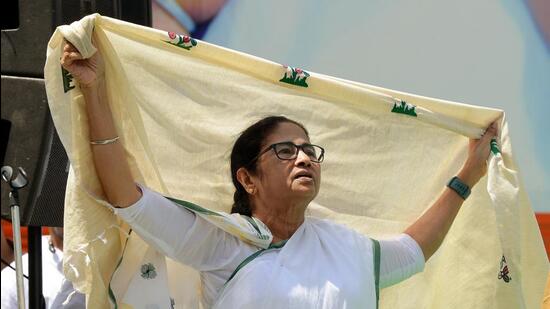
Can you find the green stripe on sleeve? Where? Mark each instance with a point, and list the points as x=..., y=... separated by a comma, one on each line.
x=193, y=207
x=376, y=249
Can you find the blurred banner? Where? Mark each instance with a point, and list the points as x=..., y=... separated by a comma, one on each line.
x=492, y=54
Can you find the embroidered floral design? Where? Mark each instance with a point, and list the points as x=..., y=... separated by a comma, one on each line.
x=148, y=271
x=402, y=107
x=67, y=80
x=295, y=76
x=494, y=147
x=504, y=273
x=183, y=41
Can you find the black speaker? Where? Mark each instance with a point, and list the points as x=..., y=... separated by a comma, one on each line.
x=24, y=48
x=10, y=14
x=29, y=138
x=33, y=144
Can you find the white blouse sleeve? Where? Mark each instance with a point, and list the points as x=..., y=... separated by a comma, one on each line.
x=400, y=258
x=181, y=235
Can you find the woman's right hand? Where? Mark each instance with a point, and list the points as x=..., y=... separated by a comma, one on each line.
x=109, y=159
x=85, y=71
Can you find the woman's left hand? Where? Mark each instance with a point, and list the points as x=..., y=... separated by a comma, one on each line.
x=475, y=166
x=430, y=229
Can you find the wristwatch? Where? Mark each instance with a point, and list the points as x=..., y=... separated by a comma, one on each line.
x=459, y=187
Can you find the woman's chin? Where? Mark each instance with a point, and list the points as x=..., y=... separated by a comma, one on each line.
x=305, y=190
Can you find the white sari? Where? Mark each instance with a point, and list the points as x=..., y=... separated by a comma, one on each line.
x=323, y=265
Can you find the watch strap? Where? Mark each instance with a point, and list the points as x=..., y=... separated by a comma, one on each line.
x=457, y=185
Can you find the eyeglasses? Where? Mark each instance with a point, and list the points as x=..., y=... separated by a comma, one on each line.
x=289, y=151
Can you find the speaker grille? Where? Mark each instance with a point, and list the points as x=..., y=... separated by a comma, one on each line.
x=32, y=142
x=49, y=205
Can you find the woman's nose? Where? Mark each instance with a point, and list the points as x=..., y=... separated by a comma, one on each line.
x=302, y=158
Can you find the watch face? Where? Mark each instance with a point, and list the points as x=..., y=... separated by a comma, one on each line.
x=459, y=187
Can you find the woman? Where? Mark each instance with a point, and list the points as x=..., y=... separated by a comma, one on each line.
x=276, y=172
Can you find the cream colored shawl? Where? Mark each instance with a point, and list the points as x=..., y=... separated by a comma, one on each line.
x=180, y=103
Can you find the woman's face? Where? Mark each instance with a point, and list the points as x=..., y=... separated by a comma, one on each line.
x=298, y=179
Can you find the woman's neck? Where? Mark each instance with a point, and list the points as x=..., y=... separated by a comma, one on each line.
x=281, y=221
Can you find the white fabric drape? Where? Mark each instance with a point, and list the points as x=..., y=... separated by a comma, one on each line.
x=179, y=104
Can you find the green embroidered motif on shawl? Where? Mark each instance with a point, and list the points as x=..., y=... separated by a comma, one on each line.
x=295, y=76
x=404, y=108
x=67, y=80
x=494, y=147
x=148, y=271
x=182, y=41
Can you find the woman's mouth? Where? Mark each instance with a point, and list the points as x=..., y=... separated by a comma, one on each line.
x=304, y=176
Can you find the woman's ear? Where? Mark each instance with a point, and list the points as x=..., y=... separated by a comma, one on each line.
x=245, y=179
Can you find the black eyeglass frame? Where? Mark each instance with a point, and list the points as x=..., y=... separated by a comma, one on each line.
x=297, y=147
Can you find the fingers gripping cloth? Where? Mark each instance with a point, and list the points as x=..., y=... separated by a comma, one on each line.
x=179, y=103
x=79, y=33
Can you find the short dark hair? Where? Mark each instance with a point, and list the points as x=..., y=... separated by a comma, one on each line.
x=246, y=148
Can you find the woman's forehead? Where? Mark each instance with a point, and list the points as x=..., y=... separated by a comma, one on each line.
x=287, y=131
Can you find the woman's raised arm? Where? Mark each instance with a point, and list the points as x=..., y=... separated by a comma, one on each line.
x=108, y=154
x=430, y=229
